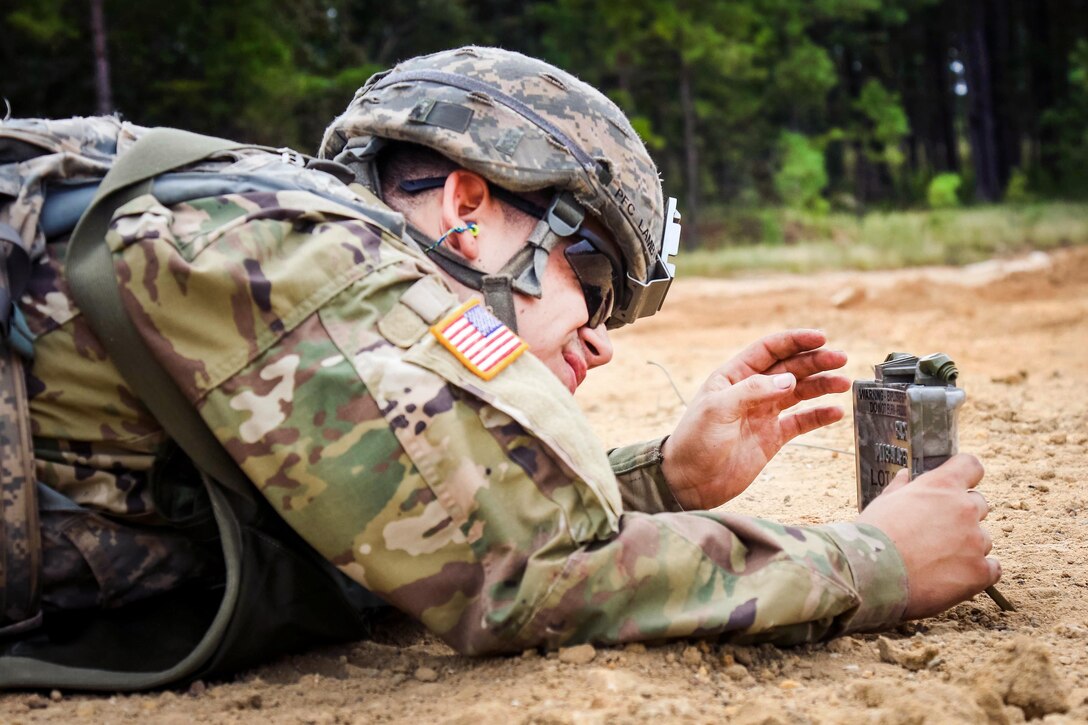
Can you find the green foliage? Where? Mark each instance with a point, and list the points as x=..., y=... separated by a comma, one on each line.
x=711, y=86
x=43, y=21
x=886, y=125
x=1067, y=127
x=801, y=177
x=885, y=111
x=943, y=191
x=804, y=76
x=884, y=240
x=1078, y=66
x=1016, y=191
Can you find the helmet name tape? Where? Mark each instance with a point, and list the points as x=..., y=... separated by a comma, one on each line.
x=444, y=115
x=643, y=228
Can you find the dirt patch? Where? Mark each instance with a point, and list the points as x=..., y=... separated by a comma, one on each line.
x=1023, y=675
x=1018, y=331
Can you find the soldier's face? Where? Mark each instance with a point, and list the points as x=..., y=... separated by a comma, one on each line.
x=554, y=326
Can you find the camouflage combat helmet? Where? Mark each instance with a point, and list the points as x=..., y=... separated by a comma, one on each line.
x=524, y=125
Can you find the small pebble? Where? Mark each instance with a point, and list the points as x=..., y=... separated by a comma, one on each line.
x=198, y=688
x=253, y=702
x=581, y=654
x=55, y=696
x=736, y=672
x=847, y=297
x=425, y=674
x=789, y=684
x=692, y=656
x=36, y=702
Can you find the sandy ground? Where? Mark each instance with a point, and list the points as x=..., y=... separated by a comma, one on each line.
x=1018, y=330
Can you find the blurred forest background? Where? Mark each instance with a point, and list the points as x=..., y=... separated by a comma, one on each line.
x=837, y=132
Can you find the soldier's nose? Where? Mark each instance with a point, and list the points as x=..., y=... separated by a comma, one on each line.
x=597, y=345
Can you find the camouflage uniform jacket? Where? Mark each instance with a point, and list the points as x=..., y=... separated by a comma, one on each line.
x=298, y=327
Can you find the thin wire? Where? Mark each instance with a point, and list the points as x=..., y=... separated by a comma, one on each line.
x=674, y=388
x=822, y=448
x=470, y=227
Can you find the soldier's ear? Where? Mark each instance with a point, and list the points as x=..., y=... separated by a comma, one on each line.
x=466, y=197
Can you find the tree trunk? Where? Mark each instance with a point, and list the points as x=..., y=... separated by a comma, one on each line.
x=691, y=157
x=1044, y=76
x=1007, y=105
x=982, y=118
x=944, y=148
x=102, y=87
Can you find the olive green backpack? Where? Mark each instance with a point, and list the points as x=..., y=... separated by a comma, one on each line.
x=277, y=593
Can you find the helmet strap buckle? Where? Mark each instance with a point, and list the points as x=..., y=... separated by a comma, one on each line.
x=498, y=294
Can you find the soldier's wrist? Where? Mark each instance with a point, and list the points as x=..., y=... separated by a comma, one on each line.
x=640, y=469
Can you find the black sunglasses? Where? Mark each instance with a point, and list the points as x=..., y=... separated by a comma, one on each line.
x=598, y=273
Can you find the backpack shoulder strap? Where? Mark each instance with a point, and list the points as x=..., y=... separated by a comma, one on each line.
x=90, y=271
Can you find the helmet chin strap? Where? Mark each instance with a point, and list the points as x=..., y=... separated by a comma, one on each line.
x=522, y=273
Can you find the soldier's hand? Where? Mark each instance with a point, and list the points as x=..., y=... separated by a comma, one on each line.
x=934, y=522
x=737, y=421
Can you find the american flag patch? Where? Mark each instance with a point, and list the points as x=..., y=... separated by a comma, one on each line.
x=477, y=338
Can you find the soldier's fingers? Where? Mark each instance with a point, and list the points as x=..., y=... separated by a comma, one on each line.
x=901, y=478
x=995, y=569
x=961, y=469
x=808, y=420
x=756, y=390
x=980, y=503
x=987, y=541
x=817, y=385
x=810, y=363
x=762, y=354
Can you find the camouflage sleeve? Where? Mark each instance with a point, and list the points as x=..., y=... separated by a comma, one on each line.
x=486, y=509
x=642, y=483
x=452, y=510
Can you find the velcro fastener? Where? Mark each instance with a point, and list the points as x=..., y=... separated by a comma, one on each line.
x=423, y=304
x=444, y=115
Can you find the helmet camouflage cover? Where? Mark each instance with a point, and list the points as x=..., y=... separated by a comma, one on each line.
x=525, y=126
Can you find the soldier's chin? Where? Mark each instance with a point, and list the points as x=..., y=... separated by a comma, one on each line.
x=562, y=370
